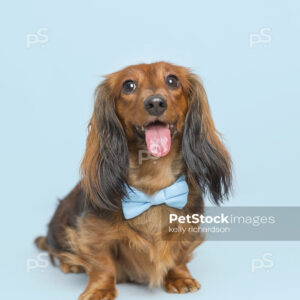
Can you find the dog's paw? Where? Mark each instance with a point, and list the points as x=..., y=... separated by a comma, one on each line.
x=66, y=268
x=98, y=295
x=181, y=285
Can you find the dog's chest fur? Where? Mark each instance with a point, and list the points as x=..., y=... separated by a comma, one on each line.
x=148, y=252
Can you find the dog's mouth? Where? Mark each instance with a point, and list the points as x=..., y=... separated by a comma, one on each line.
x=158, y=136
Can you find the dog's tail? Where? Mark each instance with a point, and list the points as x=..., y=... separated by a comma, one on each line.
x=41, y=243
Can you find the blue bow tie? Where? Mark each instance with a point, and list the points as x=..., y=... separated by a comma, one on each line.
x=136, y=202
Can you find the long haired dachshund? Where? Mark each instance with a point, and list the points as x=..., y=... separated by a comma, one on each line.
x=158, y=112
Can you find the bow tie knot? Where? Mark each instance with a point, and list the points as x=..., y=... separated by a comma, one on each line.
x=136, y=202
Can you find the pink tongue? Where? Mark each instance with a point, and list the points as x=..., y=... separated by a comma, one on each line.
x=158, y=140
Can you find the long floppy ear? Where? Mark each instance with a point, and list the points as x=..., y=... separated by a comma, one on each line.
x=105, y=162
x=205, y=156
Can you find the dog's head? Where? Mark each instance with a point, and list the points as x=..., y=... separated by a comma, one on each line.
x=151, y=105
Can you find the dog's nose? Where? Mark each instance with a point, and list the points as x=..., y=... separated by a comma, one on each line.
x=155, y=105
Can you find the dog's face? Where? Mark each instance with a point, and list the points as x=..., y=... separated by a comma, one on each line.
x=152, y=104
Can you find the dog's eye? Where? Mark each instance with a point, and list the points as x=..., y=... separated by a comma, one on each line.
x=172, y=81
x=129, y=86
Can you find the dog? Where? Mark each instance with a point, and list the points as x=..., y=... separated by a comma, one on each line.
x=151, y=129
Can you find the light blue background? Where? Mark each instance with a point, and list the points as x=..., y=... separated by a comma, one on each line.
x=46, y=94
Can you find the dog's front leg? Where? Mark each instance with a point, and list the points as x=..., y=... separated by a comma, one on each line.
x=102, y=279
x=180, y=280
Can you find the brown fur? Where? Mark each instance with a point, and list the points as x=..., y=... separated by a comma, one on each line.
x=88, y=231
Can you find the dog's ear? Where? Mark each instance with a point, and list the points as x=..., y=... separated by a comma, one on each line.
x=105, y=163
x=205, y=156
